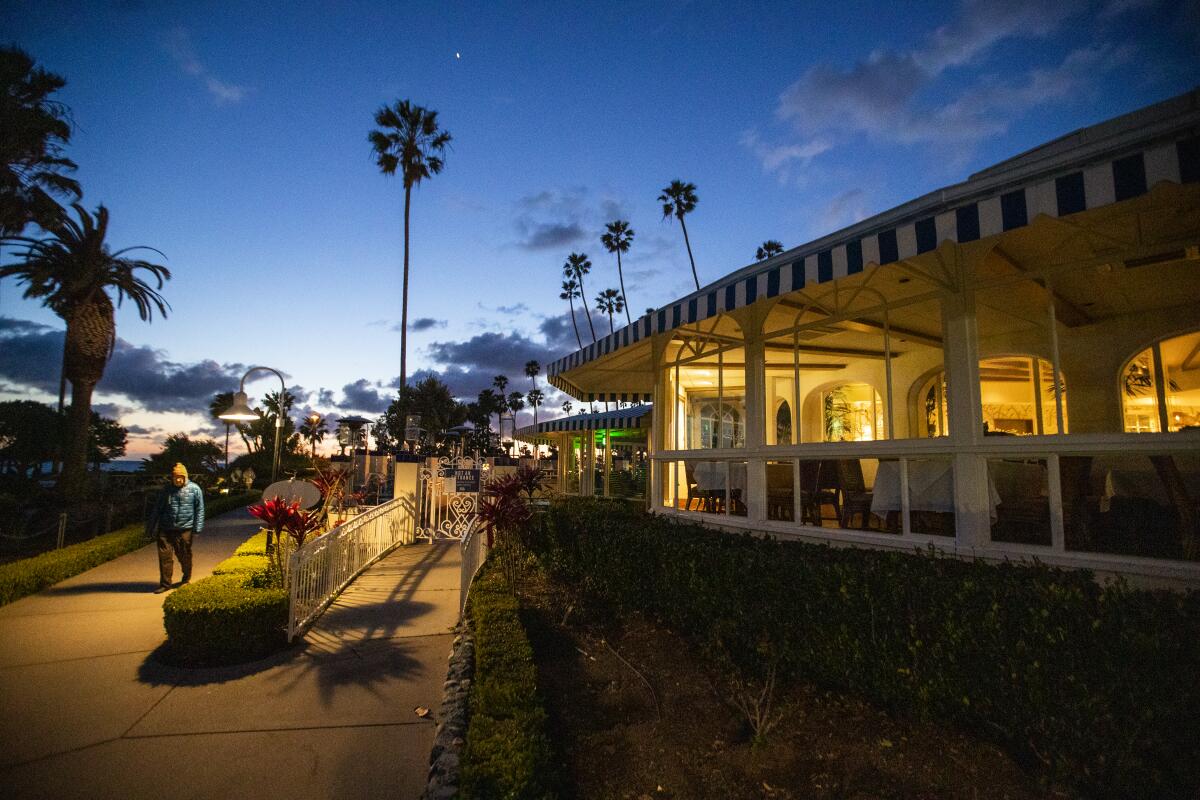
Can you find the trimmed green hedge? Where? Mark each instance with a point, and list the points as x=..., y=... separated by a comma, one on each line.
x=239, y=614
x=1093, y=686
x=508, y=754
x=224, y=619
x=29, y=575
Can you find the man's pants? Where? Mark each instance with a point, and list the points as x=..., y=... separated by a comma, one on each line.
x=179, y=540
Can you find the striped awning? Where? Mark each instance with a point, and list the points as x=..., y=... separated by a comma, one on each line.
x=1090, y=168
x=632, y=417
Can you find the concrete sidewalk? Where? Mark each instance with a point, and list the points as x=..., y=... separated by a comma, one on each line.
x=85, y=711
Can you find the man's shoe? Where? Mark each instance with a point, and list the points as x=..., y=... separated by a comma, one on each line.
x=162, y=589
x=184, y=582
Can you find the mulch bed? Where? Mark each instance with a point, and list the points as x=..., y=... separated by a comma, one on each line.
x=618, y=738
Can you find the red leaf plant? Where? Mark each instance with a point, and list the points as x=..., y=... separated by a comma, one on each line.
x=282, y=517
x=504, y=513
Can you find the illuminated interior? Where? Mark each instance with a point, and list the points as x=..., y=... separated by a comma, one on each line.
x=1169, y=369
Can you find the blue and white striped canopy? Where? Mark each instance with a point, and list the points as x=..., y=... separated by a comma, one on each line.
x=632, y=417
x=1090, y=168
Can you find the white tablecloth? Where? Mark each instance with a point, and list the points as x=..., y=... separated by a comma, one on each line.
x=930, y=487
x=710, y=476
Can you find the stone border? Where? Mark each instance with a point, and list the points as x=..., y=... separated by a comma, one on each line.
x=451, y=734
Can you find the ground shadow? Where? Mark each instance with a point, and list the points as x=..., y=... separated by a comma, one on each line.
x=113, y=587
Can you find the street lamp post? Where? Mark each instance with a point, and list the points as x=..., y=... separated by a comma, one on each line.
x=240, y=411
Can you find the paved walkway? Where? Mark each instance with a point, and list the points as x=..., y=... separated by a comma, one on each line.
x=86, y=712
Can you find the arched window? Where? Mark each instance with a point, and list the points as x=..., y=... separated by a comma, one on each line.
x=851, y=412
x=705, y=372
x=1016, y=394
x=1160, y=386
x=783, y=423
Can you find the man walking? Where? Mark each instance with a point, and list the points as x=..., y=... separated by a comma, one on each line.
x=178, y=513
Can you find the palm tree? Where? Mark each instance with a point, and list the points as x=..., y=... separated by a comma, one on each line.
x=570, y=290
x=532, y=368
x=678, y=200
x=72, y=271
x=566, y=407
x=576, y=266
x=609, y=302
x=313, y=429
x=411, y=142
x=617, y=240
x=35, y=130
x=535, y=398
x=769, y=248
x=500, y=382
x=516, y=401
x=216, y=407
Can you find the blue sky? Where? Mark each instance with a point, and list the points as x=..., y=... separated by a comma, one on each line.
x=233, y=138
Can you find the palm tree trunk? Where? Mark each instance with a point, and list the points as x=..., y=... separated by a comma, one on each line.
x=624, y=299
x=404, y=307
x=611, y=329
x=573, y=323
x=587, y=312
x=226, y=445
x=688, y=244
x=73, y=482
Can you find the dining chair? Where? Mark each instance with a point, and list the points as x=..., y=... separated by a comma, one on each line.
x=856, y=499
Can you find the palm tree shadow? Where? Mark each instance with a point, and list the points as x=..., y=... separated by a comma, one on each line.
x=358, y=642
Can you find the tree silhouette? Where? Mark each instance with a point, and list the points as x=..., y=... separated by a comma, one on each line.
x=617, y=240
x=769, y=248
x=678, y=200
x=576, y=266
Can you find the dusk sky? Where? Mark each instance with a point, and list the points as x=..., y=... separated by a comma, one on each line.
x=233, y=137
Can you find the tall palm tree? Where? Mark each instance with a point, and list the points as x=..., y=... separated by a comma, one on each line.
x=410, y=141
x=216, y=407
x=617, y=240
x=576, y=266
x=609, y=302
x=678, y=200
x=570, y=290
x=515, y=402
x=313, y=429
x=769, y=248
x=35, y=130
x=566, y=407
x=72, y=271
x=500, y=383
x=532, y=368
x=535, y=398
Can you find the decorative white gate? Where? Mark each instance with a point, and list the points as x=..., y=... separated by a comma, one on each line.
x=448, y=497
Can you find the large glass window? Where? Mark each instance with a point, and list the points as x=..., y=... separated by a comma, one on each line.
x=1160, y=386
x=1017, y=393
x=706, y=382
x=836, y=358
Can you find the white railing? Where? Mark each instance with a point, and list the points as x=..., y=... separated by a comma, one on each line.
x=320, y=569
x=474, y=553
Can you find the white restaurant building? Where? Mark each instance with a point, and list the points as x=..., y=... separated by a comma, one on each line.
x=1005, y=368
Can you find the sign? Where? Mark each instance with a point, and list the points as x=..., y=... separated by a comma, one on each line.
x=466, y=480
x=412, y=427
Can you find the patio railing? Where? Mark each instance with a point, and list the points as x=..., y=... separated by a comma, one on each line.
x=321, y=568
x=474, y=553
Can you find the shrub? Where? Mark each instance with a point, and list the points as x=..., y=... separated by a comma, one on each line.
x=508, y=754
x=241, y=564
x=1091, y=685
x=256, y=545
x=224, y=619
x=30, y=575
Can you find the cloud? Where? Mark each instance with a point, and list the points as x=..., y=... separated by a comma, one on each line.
x=425, y=324
x=845, y=209
x=884, y=96
x=31, y=352
x=362, y=395
x=558, y=218
x=178, y=43
x=780, y=158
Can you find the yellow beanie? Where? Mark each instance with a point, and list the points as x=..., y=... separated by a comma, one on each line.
x=179, y=469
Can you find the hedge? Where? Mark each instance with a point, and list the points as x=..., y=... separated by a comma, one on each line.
x=224, y=619
x=30, y=575
x=238, y=614
x=507, y=754
x=1094, y=686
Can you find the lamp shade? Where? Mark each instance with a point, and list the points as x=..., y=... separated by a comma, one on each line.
x=240, y=410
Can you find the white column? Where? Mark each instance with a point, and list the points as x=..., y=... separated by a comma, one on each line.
x=756, y=404
x=965, y=416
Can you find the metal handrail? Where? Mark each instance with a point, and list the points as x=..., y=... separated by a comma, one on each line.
x=321, y=568
x=474, y=553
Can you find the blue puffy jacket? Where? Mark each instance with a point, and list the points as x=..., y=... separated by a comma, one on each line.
x=182, y=507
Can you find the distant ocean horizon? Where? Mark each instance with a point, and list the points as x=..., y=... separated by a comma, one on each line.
x=118, y=465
